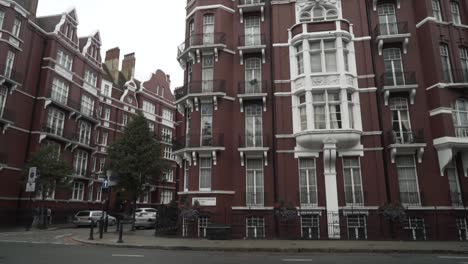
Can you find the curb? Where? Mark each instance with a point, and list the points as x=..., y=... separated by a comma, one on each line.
x=275, y=250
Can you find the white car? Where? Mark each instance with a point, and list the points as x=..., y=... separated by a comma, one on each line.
x=85, y=218
x=145, y=217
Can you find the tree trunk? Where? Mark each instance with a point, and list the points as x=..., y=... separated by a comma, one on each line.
x=134, y=213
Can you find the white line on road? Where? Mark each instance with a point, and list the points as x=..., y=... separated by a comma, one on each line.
x=452, y=257
x=128, y=256
x=61, y=236
x=297, y=260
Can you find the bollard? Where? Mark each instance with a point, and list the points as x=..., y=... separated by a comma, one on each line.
x=101, y=228
x=120, y=233
x=106, y=223
x=91, y=231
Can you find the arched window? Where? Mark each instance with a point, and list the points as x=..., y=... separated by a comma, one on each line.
x=314, y=13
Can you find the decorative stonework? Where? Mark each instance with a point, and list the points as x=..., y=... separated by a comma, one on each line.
x=326, y=80
x=305, y=6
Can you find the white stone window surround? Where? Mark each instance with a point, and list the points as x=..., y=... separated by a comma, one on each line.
x=340, y=80
x=308, y=6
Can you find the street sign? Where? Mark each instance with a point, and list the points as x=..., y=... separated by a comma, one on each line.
x=105, y=184
x=30, y=187
x=32, y=175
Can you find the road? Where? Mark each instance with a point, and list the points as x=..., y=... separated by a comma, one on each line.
x=37, y=253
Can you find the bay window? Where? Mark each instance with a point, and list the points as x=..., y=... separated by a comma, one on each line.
x=303, y=112
x=208, y=28
x=464, y=63
x=323, y=55
x=186, y=175
x=3, y=98
x=16, y=28
x=10, y=60
x=206, y=124
x=2, y=18
x=300, y=58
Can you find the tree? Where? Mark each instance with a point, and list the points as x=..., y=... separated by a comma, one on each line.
x=53, y=172
x=135, y=160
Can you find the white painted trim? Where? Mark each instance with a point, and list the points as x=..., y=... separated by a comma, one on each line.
x=206, y=192
x=284, y=136
x=365, y=38
x=256, y=208
x=283, y=94
x=281, y=81
x=198, y=8
x=369, y=76
x=373, y=149
x=367, y=90
x=280, y=45
x=425, y=20
x=440, y=111
x=372, y=133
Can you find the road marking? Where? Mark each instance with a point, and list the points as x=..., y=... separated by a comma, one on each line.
x=61, y=236
x=128, y=256
x=452, y=257
x=297, y=260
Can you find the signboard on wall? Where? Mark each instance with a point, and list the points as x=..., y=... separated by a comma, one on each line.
x=204, y=201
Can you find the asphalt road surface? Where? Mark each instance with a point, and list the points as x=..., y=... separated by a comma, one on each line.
x=42, y=253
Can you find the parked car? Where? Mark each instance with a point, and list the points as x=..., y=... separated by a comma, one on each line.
x=85, y=218
x=145, y=217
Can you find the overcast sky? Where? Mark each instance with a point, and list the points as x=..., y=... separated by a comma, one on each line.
x=151, y=28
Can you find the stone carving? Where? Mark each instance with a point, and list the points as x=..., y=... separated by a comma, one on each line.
x=326, y=80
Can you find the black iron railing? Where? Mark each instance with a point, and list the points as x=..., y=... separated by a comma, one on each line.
x=406, y=137
x=200, y=87
x=387, y=29
x=198, y=140
x=252, y=87
x=252, y=40
x=398, y=78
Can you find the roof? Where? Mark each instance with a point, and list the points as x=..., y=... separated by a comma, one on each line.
x=48, y=23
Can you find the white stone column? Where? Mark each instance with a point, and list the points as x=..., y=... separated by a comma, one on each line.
x=329, y=160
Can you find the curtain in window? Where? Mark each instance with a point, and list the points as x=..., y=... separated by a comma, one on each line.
x=254, y=170
x=205, y=173
x=307, y=182
x=407, y=179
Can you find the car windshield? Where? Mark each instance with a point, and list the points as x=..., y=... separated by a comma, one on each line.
x=83, y=213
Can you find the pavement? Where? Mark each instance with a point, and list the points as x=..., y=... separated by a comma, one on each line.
x=144, y=239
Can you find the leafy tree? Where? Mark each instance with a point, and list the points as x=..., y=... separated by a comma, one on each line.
x=135, y=159
x=53, y=172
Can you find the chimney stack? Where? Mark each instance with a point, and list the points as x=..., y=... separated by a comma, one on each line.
x=112, y=62
x=128, y=66
x=30, y=5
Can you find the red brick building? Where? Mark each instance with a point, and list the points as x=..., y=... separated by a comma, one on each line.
x=332, y=107
x=56, y=90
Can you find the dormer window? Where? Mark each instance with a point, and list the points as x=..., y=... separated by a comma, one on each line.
x=91, y=78
x=69, y=31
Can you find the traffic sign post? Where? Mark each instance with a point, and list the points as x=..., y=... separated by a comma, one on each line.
x=32, y=176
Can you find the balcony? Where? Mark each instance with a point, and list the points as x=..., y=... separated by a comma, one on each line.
x=89, y=115
x=54, y=133
x=7, y=118
x=450, y=145
x=192, y=93
x=10, y=79
x=188, y=147
x=395, y=82
x=392, y=33
x=252, y=90
x=78, y=141
x=455, y=78
x=408, y=142
x=62, y=102
x=253, y=146
x=193, y=47
x=248, y=6
x=253, y=43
